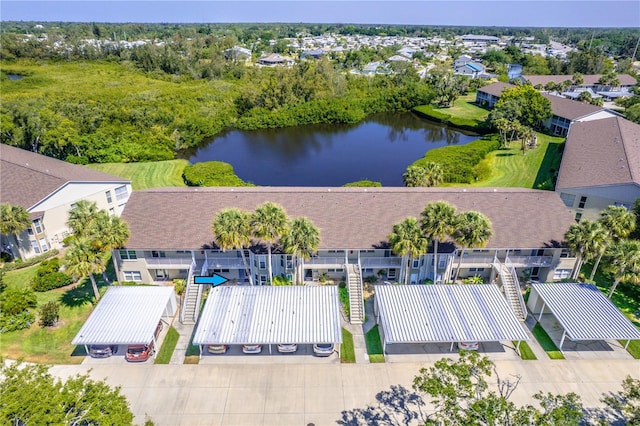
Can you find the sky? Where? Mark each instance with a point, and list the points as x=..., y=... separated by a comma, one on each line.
x=512, y=13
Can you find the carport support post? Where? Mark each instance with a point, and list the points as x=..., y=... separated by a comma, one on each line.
x=627, y=345
x=541, y=312
x=86, y=348
x=451, y=348
x=518, y=347
x=200, y=350
x=564, y=334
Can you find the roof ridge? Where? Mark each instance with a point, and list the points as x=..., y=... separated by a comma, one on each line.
x=624, y=142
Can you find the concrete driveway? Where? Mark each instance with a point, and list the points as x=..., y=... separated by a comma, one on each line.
x=302, y=394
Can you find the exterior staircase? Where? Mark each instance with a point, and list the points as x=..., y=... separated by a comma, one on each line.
x=356, y=299
x=511, y=288
x=192, y=297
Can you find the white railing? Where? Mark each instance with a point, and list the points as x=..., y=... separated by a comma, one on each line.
x=317, y=261
x=380, y=262
x=476, y=260
x=225, y=262
x=179, y=262
x=516, y=283
x=531, y=260
x=186, y=289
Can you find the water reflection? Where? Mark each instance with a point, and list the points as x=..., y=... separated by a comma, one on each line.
x=378, y=149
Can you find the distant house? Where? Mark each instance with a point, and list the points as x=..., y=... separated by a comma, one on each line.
x=407, y=52
x=398, y=58
x=462, y=60
x=313, y=54
x=600, y=166
x=480, y=39
x=471, y=69
x=514, y=70
x=48, y=188
x=238, y=53
x=275, y=59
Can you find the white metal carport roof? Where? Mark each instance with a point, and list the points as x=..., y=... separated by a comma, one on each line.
x=446, y=313
x=127, y=316
x=270, y=315
x=584, y=312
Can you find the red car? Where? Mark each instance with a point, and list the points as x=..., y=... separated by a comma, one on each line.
x=141, y=353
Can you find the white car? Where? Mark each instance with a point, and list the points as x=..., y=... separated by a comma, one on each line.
x=287, y=348
x=251, y=349
x=323, y=349
x=468, y=346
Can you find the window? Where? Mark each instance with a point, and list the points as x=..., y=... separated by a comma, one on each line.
x=128, y=254
x=583, y=201
x=476, y=269
x=112, y=211
x=121, y=192
x=564, y=252
x=182, y=251
x=262, y=259
x=155, y=253
x=568, y=199
x=367, y=271
x=263, y=279
x=442, y=262
x=416, y=263
x=121, y=207
x=43, y=244
x=391, y=274
x=35, y=246
x=38, y=225
x=578, y=216
x=220, y=271
x=108, y=195
x=132, y=276
x=561, y=274
x=30, y=231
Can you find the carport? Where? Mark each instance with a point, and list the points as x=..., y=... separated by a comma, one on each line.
x=266, y=315
x=583, y=312
x=418, y=314
x=127, y=316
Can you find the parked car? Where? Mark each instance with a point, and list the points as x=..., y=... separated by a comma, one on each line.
x=140, y=353
x=287, y=348
x=102, y=351
x=323, y=349
x=217, y=349
x=468, y=346
x=251, y=349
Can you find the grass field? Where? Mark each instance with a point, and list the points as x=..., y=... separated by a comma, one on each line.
x=547, y=344
x=147, y=175
x=510, y=168
x=464, y=107
x=347, y=351
x=374, y=345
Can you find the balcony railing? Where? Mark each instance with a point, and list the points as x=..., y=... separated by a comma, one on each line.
x=224, y=262
x=521, y=261
x=476, y=260
x=169, y=262
x=319, y=261
x=380, y=262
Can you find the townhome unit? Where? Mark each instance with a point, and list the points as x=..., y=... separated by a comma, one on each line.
x=171, y=234
x=600, y=166
x=589, y=81
x=48, y=188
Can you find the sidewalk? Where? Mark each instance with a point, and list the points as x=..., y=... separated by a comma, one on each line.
x=185, y=332
x=358, y=332
x=533, y=342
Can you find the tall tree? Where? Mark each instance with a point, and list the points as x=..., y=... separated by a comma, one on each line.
x=408, y=241
x=619, y=222
x=13, y=221
x=269, y=223
x=302, y=240
x=534, y=108
x=82, y=259
x=82, y=216
x=585, y=239
x=437, y=224
x=625, y=263
x=231, y=230
x=472, y=229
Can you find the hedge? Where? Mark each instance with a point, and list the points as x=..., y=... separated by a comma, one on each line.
x=363, y=183
x=459, y=162
x=19, y=264
x=429, y=112
x=211, y=173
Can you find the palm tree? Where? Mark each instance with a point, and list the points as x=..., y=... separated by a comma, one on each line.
x=437, y=223
x=82, y=259
x=625, y=262
x=472, y=229
x=302, y=240
x=586, y=239
x=434, y=173
x=81, y=217
x=619, y=222
x=408, y=241
x=13, y=221
x=108, y=233
x=231, y=229
x=269, y=223
x=415, y=176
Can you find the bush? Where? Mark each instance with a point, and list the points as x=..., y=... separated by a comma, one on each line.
x=16, y=322
x=49, y=314
x=342, y=284
x=19, y=263
x=363, y=184
x=211, y=173
x=323, y=278
x=179, y=285
x=48, y=276
x=370, y=279
x=280, y=281
x=14, y=301
x=343, y=293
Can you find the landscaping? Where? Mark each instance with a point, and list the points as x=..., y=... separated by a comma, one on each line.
x=525, y=351
x=374, y=345
x=347, y=351
x=147, y=175
x=547, y=344
x=464, y=114
x=168, y=346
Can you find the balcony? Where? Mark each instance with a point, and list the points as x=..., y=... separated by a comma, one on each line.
x=327, y=262
x=169, y=262
x=531, y=261
x=380, y=262
x=225, y=263
x=475, y=261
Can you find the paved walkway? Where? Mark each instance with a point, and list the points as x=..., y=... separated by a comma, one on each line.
x=358, y=332
x=185, y=332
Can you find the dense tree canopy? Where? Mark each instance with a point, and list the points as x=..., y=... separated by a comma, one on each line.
x=525, y=104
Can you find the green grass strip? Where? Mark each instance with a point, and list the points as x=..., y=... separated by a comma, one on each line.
x=347, y=351
x=547, y=344
x=633, y=348
x=147, y=175
x=525, y=351
x=374, y=345
x=168, y=346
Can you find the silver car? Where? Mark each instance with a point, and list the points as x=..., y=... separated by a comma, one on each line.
x=251, y=349
x=287, y=348
x=323, y=349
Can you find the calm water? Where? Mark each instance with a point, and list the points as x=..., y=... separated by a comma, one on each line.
x=378, y=149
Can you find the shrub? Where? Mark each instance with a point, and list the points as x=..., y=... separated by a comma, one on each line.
x=19, y=263
x=476, y=279
x=48, y=276
x=370, y=279
x=324, y=277
x=343, y=293
x=16, y=322
x=211, y=173
x=279, y=281
x=342, y=284
x=179, y=285
x=363, y=183
x=49, y=314
x=16, y=300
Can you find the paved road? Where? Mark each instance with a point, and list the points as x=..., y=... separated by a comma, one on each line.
x=303, y=394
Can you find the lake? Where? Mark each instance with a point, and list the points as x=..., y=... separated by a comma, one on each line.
x=379, y=149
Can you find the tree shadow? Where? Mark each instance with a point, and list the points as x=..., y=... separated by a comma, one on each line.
x=80, y=294
x=604, y=416
x=397, y=406
x=548, y=171
x=505, y=154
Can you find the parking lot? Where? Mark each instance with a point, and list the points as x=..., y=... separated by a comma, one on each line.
x=431, y=352
x=234, y=355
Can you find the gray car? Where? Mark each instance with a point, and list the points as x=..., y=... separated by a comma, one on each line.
x=102, y=351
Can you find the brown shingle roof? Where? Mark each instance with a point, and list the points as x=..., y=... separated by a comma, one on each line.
x=601, y=152
x=26, y=177
x=180, y=218
x=589, y=79
x=495, y=89
x=570, y=109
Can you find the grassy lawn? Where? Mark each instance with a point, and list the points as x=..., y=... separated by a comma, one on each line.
x=633, y=348
x=374, y=345
x=463, y=113
x=525, y=351
x=464, y=107
x=147, y=175
x=512, y=169
x=168, y=346
x=547, y=344
x=347, y=352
